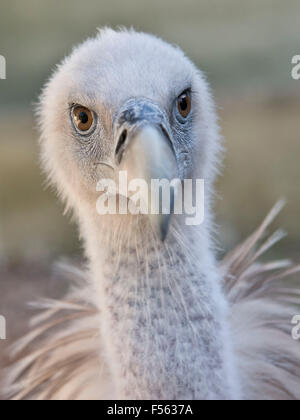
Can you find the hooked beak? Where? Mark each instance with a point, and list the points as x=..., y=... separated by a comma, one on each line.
x=146, y=153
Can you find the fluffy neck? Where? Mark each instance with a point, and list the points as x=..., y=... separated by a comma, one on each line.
x=163, y=316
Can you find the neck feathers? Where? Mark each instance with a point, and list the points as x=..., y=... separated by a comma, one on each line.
x=163, y=316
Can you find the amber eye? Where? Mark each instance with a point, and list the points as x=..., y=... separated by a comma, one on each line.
x=184, y=104
x=83, y=119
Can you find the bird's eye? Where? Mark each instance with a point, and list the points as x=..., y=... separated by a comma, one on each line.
x=184, y=104
x=83, y=119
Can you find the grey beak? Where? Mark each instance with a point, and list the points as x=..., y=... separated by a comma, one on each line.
x=146, y=153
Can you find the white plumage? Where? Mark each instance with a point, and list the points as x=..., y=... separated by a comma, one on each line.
x=151, y=319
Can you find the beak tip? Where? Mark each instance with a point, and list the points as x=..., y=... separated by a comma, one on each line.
x=160, y=225
x=164, y=228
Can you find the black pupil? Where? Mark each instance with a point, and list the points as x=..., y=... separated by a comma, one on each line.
x=83, y=117
x=183, y=103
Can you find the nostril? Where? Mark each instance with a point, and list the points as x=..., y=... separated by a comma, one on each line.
x=121, y=142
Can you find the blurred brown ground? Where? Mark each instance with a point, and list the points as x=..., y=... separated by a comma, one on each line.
x=21, y=285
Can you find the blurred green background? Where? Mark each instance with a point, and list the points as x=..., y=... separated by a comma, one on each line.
x=244, y=47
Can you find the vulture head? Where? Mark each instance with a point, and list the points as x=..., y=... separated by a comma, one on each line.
x=126, y=101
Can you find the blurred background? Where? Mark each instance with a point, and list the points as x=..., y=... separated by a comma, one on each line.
x=244, y=47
